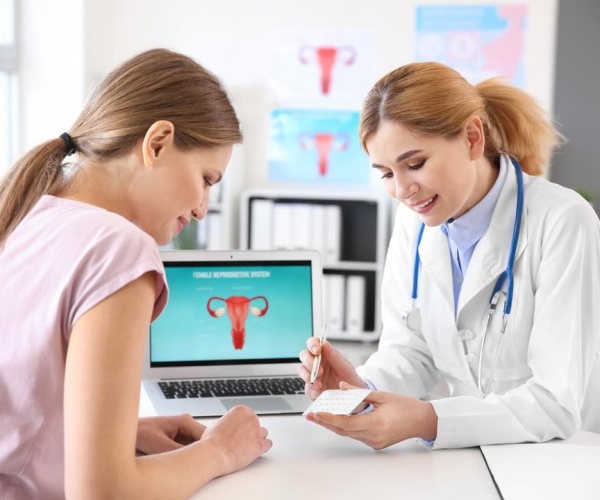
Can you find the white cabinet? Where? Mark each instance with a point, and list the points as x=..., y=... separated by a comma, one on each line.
x=351, y=232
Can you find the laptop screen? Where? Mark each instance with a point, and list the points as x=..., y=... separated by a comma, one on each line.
x=233, y=313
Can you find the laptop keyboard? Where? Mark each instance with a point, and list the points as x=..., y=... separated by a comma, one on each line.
x=176, y=389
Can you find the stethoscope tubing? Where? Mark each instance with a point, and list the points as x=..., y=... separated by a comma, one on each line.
x=507, y=275
x=415, y=287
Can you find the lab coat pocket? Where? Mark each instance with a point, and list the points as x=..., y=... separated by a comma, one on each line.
x=505, y=354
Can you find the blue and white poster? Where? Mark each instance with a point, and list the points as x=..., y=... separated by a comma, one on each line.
x=316, y=146
x=479, y=41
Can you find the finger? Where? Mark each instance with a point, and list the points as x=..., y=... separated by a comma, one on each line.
x=345, y=386
x=306, y=358
x=345, y=423
x=267, y=444
x=304, y=373
x=191, y=430
x=340, y=425
x=313, y=391
x=162, y=444
x=313, y=345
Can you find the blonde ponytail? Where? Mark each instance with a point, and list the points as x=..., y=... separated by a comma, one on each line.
x=434, y=99
x=517, y=126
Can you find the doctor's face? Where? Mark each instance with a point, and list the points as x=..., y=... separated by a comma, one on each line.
x=435, y=177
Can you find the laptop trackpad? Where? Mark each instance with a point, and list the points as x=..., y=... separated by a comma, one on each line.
x=269, y=404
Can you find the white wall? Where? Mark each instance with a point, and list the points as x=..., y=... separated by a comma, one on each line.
x=67, y=46
x=51, y=71
x=231, y=38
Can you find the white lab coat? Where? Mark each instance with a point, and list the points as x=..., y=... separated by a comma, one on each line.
x=547, y=381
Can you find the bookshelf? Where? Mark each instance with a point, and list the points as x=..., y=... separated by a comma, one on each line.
x=350, y=230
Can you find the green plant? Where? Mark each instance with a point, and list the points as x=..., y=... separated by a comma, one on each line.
x=586, y=194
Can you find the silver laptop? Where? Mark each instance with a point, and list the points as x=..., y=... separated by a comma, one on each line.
x=232, y=330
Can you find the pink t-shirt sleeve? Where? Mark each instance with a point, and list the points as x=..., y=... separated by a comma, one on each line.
x=117, y=257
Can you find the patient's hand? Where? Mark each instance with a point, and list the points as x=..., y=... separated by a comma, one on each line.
x=162, y=434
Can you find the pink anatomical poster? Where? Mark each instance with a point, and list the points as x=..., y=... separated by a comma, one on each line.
x=479, y=41
x=310, y=67
x=316, y=146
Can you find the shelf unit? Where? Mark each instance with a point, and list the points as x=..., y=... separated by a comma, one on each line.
x=210, y=233
x=361, y=234
x=219, y=229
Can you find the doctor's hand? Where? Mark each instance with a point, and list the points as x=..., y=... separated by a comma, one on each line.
x=394, y=418
x=334, y=368
x=162, y=434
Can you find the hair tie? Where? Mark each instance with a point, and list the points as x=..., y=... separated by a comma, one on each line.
x=69, y=143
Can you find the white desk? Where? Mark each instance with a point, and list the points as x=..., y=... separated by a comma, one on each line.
x=554, y=470
x=308, y=462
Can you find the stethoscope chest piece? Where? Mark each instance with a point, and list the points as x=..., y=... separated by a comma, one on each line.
x=412, y=318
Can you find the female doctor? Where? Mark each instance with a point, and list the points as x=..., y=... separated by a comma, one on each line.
x=492, y=277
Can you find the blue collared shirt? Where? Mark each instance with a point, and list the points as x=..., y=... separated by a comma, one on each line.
x=465, y=232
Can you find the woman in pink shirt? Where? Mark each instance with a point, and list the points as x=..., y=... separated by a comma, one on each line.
x=81, y=219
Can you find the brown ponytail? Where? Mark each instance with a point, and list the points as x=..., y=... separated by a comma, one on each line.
x=155, y=85
x=35, y=174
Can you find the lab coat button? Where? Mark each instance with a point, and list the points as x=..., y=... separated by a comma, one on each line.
x=466, y=334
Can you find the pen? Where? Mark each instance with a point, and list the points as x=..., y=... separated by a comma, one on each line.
x=317, y=362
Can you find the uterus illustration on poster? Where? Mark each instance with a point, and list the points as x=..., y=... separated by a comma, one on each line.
x=326, y=57
x=323, y=143
x=316, y=84
x=311, y=146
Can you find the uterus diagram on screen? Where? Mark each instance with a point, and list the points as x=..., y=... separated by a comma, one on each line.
x=238, y=308
x=326, y=57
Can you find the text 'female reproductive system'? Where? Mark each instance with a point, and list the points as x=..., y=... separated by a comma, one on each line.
x=237, y=310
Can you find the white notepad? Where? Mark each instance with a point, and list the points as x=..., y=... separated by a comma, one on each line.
x=337, y=401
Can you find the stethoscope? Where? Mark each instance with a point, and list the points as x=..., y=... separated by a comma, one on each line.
x=413, y=316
